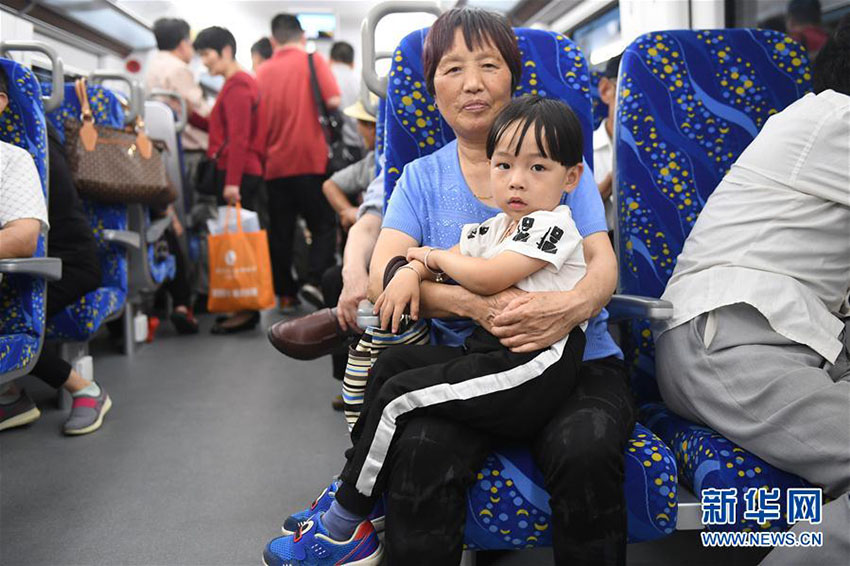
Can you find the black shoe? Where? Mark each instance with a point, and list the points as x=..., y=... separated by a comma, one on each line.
x=313, y=295
x=184, y=322
x=249, y=324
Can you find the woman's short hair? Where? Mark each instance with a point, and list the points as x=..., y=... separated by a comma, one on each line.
x=169, y=32
x=4, y=82
x=263, y=47
x=557, y=130
x=832, y=65
x=215, y=38
x=479, y=27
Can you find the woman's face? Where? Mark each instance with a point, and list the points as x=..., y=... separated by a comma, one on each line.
x=471, y=87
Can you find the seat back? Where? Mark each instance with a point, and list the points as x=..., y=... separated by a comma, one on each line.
x=107, y=110
x=552, y=64
x=688, y=103
x=22, y=297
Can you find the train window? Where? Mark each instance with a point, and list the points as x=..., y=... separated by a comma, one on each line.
x=770, y=14
x=600, y=38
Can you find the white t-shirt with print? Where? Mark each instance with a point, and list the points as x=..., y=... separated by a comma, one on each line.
x=551, y=236
x=20, y=187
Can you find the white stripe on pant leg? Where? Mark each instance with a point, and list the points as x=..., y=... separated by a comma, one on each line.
x=442, y=393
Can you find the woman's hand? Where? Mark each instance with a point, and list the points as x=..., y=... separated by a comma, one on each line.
x=402, y=290
x=535, y=321
x=231, y=194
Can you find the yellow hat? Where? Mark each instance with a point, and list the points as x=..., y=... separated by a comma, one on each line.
x=359, y=112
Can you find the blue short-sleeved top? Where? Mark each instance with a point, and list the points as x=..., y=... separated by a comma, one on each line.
x=431, y=202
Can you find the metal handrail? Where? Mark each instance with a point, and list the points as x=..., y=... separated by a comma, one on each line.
x=365, y=99
x=57, y=95
x=180, y=124
x=374, y=83
x=136, y=92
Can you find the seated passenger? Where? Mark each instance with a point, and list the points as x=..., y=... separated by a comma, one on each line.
x=803, y=23
x=472, y=65
x=342, y=67
x=344, y=187
x=235, y=139
x=261, y=52
x=71, y=240
x=603, y=142
x=758, y=345
x=535, y=153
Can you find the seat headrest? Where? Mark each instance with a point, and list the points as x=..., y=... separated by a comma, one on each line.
x=22, y=123
x=552, y=66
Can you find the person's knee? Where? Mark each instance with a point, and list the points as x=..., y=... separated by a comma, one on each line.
x=585, y=450
x=426, y=469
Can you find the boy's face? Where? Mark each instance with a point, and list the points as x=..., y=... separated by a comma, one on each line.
x=527, y=182
x=4, y=101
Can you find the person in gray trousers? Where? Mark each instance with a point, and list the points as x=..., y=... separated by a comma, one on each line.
x=758, y=345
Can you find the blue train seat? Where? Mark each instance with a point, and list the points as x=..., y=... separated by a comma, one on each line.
x=22, y=296
x=689, y=102
x=600, y=109
x=80, y=321
x=380, y=141
x=508, y=506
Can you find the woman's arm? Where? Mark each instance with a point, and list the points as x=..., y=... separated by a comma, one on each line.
x=538, y=320
x=355, y=266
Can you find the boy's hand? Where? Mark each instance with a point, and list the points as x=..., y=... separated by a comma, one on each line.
x=403, y=290
x=419, y=254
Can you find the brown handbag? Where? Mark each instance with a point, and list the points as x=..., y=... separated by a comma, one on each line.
x=113, y=165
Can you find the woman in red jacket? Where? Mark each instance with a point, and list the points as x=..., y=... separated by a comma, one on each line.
x=234, y=128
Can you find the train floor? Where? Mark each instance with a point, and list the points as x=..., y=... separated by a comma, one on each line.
x=210, y=443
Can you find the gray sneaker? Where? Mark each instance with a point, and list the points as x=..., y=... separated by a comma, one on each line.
x=19, y=412
x=87, y=413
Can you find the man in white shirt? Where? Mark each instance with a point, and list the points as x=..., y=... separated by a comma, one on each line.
x=758, y=344
x=342, y=67
x=603, y=142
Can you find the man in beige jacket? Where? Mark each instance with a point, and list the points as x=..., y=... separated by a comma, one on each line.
x=169, y=69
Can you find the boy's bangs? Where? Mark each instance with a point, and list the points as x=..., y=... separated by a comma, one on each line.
x=541, y=135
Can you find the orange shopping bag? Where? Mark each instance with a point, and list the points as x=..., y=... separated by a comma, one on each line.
x=240, y=269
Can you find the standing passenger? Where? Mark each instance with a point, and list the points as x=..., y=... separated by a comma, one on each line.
x=169, y=69
x=235, y=135
x=603, y=142
x=296, y=158
x=261, y=52
x=342, y=66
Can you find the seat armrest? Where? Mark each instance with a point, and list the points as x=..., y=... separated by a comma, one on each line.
x=49, y=268
x=123, y=238
x=365, y=316
x=631, y=307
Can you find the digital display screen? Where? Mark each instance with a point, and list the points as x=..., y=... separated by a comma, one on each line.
x=318, y=25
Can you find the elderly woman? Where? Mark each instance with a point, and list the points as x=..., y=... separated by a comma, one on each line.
x=472, y=64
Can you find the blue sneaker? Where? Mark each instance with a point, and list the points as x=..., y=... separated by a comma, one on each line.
x=312, y=546
x=322, y=504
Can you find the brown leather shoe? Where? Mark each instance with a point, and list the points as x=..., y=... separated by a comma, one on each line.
x=308, y=337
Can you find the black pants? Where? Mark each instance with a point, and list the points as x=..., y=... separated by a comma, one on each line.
x=482, y=385
x=178, y=288
x=331, y=290
x=77, y=280
x=290, y=197
x=434, y=461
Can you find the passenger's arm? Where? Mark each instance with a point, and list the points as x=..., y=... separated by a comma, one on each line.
x=185, y=85
x=340, y=203
x=476, y=274
x=237, y=108
x=355, y=265
x=606, y=186
x=537, y=320
x=333, y=102
x=200, y=122
x=19, y=238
